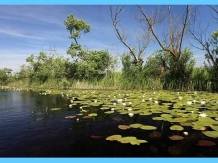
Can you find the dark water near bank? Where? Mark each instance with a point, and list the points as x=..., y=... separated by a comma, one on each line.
x=28, y=129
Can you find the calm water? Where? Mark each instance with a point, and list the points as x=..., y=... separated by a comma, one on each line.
x=28, y=129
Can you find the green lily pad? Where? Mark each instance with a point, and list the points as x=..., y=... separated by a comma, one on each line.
x=135, y=125
x=54, y=109
x=132, y=140
x=199, y=127
x=145, y=113
x=158, y=118
x=147, y=127
x=186, y=124
x=177, y=127
x=127, y=139
x=109, y=112
x=70, y=117
x=114, y=137
x=212, y=134
x=214, y=127
x=92, y=115
x=166, y=115
x=137, y=142
x=104, y=108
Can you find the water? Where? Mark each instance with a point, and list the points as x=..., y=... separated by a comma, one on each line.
x=28, y=128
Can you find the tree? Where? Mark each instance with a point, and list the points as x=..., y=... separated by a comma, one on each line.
x=177, y=73
x=142, y=39
x=88, y=64
x=209, y=45
x=44, y=67
x=75, y=27
x=214, y=12
x=5, y=76
x=173, y=38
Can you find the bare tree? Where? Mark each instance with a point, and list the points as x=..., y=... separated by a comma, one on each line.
x=209, y=45
x=173, y=38
x=214, y=12
x=142, y=39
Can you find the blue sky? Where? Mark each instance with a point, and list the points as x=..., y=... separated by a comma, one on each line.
x=26, y=30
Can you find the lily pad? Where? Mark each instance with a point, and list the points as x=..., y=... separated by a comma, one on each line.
x=199, y=127
x=176, y=127
x=124, y=127
x=147, y=127
x=145, y=113
x=114, y=137
x=205, y=143
x=104, y=108
x=186, y=124
x=155, y=134
x=158, y=118
x=176, y=137
x=135, y=125
x=70, y=117
x=117, y=119
x=132, y=140
x=54, y=109
x=127, y=139
x=95, y=136
x=92, y=115
x=212, y=134
x=87, y=117
x=214, y=127
x=109, y=112
x=137, y=142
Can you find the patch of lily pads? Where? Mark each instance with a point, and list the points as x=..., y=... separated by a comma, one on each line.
x=194, y=110
x=125, y=140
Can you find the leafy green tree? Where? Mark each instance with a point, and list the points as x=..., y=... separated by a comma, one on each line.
x=75, y=27
x=44, y=67
x=88, y=64
x=5, y=76
x=176, y=75
x=132, y=74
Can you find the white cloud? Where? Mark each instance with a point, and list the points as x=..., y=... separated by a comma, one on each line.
x=17, y=34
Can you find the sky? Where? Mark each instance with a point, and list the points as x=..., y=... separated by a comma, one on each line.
x=29, y=29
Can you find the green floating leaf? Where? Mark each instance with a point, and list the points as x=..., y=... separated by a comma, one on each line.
x=147, y=127
x=54, y=109
x=137, y=142
x=132, y=140
x=114, y=137
x=212, y=134
x=176, y=127
x=109, y=112
x=104, y=108
x=186, y=124
x=158, y=118
x=214, y=127
x=199, y=127
x=166, y=115
x=135, y=125
x=145, y=113
x=92, y=115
